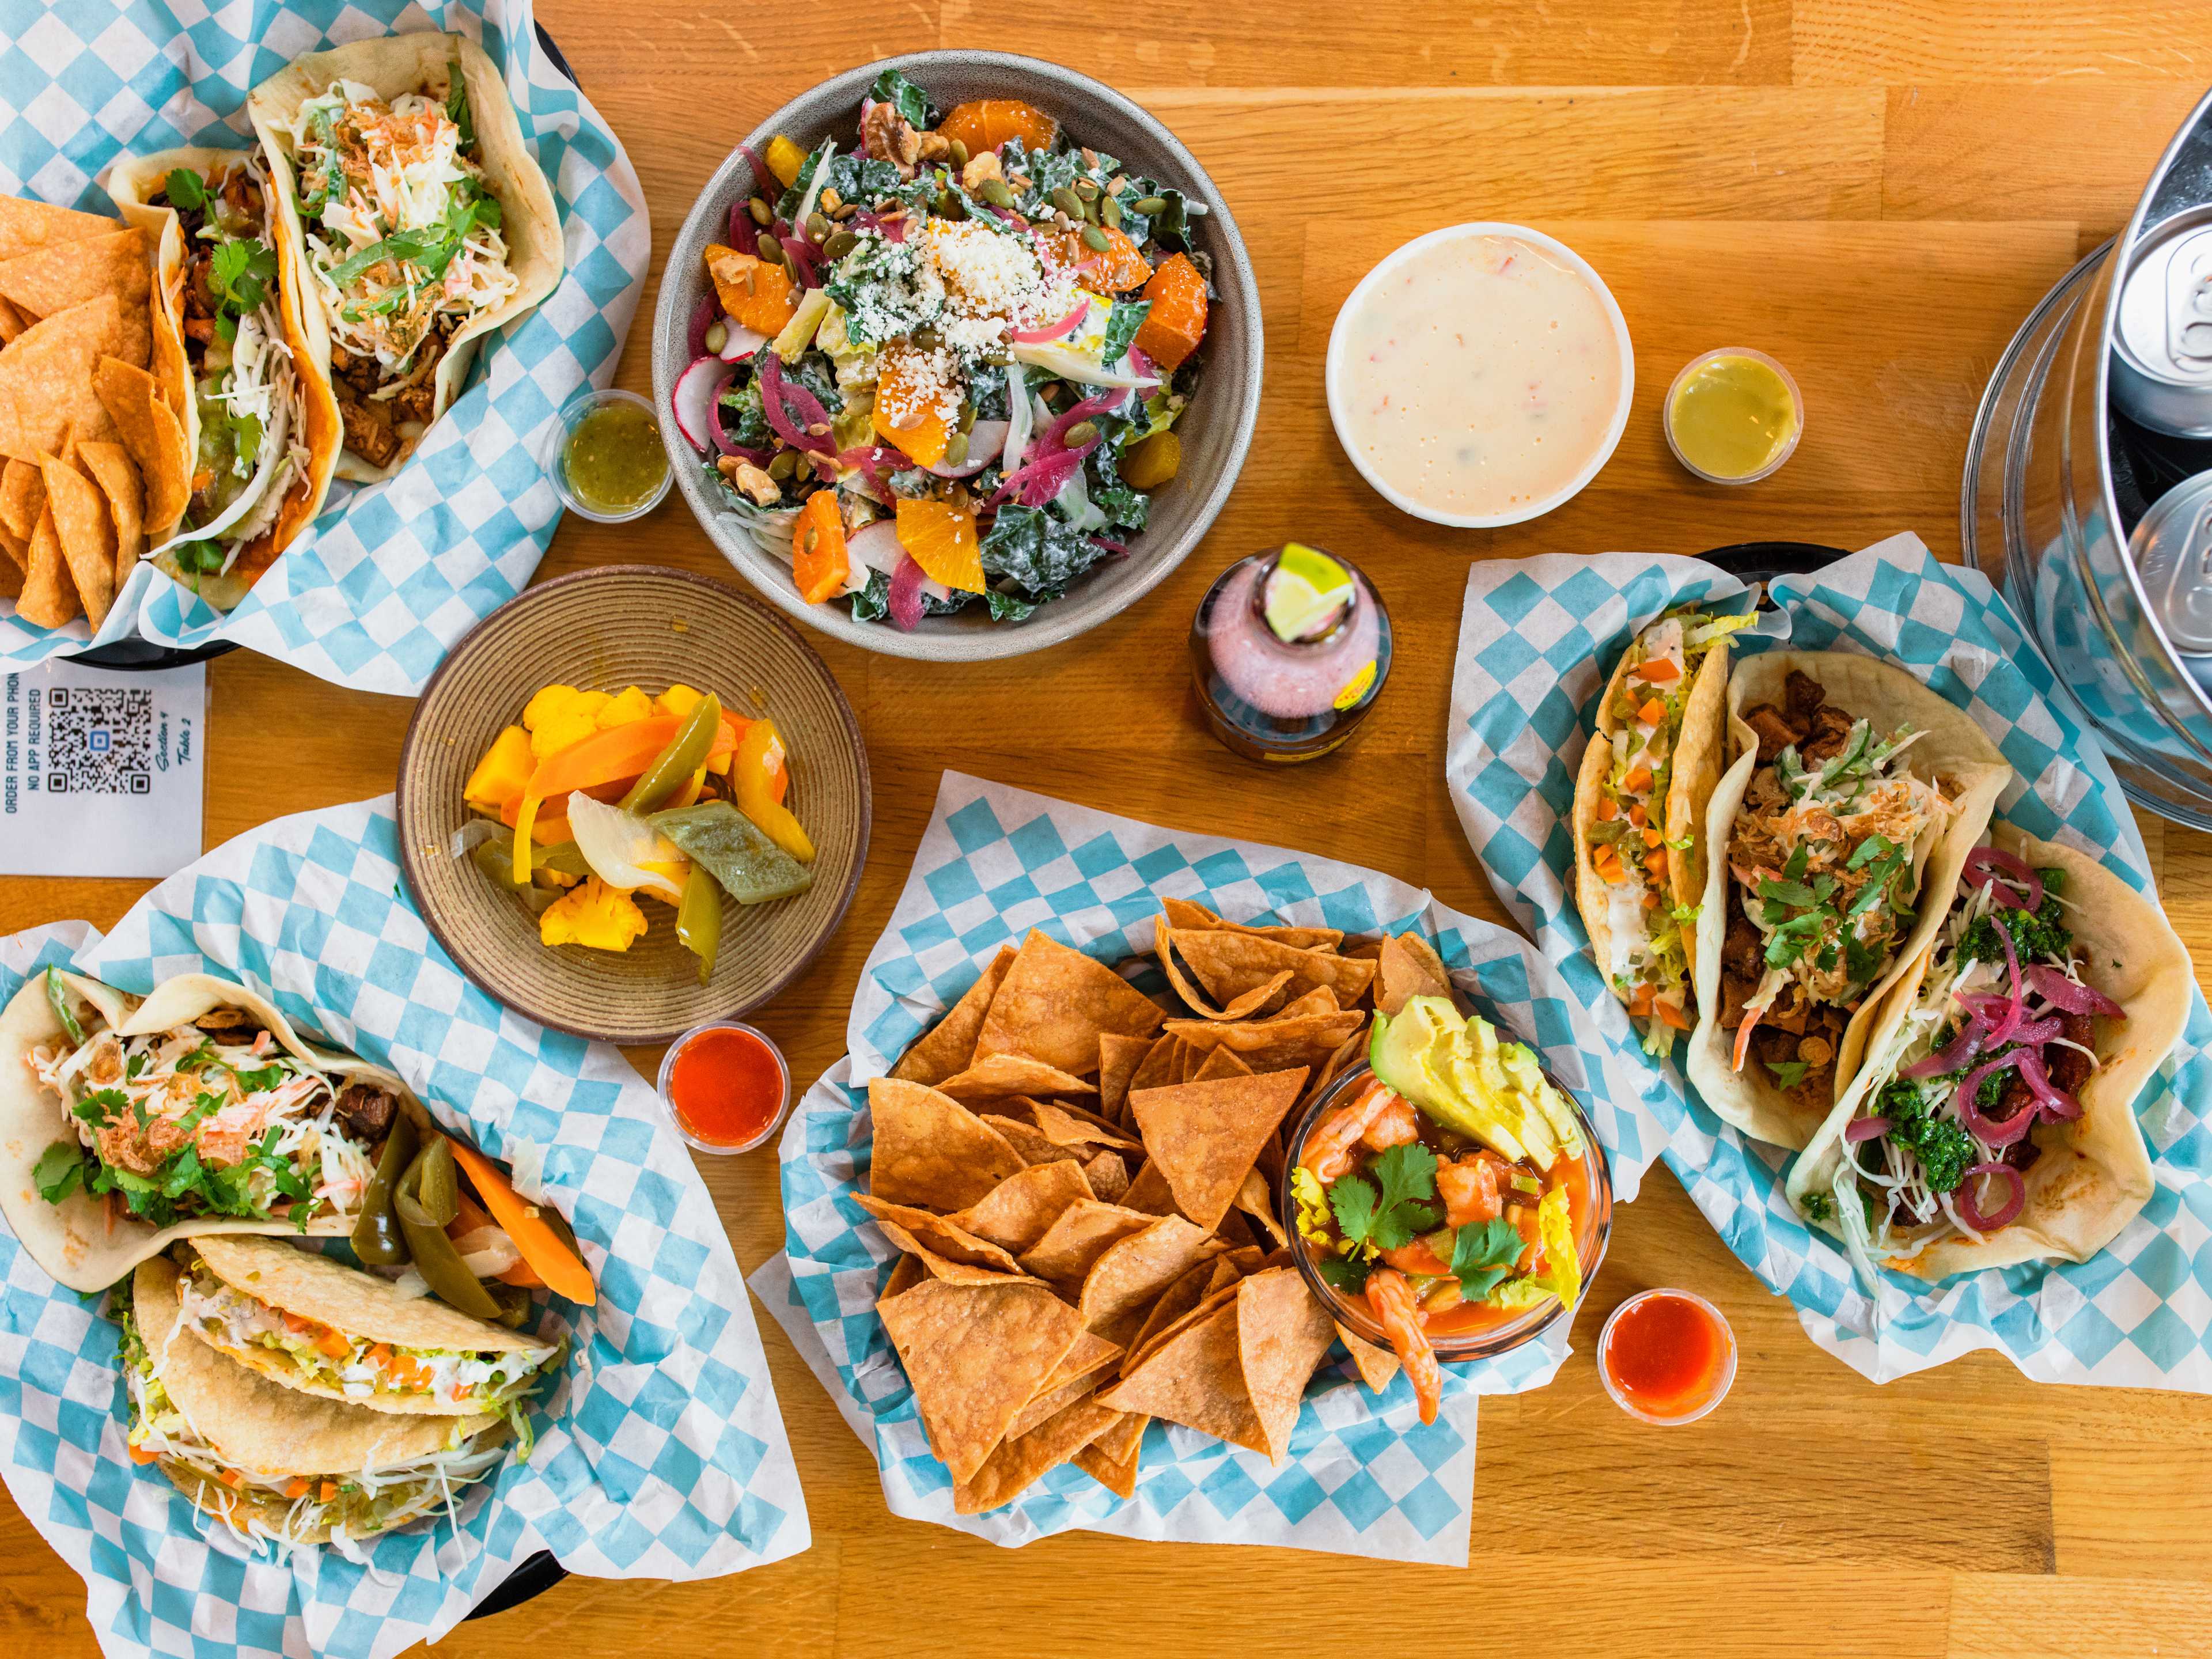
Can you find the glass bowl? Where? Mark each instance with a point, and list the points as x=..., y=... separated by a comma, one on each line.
x=1497, y=1340
x=723, y=1149
x=554, y=456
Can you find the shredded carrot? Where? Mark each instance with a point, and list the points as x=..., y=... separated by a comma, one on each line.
x=1607, y=862
x=334, y=1343
x=1673, y=1016
x=1651, y=900
x=1655, y=863
x=232, y=1478
x=298, y=1488
x=1743, y=1038
x=140, y=1454
x=330, y=1490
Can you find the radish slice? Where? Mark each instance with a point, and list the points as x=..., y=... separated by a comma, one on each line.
x=906, y=595
x=693, y=400
x=986, y=439
x=876, y=546
x=742, y=343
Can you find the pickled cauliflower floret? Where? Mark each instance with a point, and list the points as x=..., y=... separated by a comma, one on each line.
x=594, y=915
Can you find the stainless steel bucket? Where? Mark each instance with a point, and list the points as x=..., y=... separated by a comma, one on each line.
x=2042, y=510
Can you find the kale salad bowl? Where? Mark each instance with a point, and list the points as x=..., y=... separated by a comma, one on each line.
x=957, y=355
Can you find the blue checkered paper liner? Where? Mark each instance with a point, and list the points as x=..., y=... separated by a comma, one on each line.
x=1364, y=1476
x=660, y=1452
x=390, y=574
x=1537, y=637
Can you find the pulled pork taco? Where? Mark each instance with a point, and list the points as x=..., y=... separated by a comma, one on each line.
x=260, y=422
x=1852, y=790
x=276, y=1466
x=1651, y=767
x=312, y=1324
x=421, y=220
x=1993, y=1120
x=127, y=1122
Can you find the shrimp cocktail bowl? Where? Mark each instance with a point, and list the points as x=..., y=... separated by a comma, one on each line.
x=1449, y=1199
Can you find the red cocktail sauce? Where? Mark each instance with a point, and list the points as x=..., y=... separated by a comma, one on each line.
x=1667, y=1355
x=726, y=1086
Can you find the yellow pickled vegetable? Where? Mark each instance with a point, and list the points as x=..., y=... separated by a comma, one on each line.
x=628, y=704
x=1151, y=462
x=784, y=159
x=750, y=769
x=595, y=915
x=501, y=774
x=560, y=715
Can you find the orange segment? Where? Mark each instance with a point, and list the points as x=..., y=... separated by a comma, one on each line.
x=1176, y=322
x=987, y=122
x=942, y=540
x=1116, y=269
x=760, y=296
x=903, y=417
x=819, y=561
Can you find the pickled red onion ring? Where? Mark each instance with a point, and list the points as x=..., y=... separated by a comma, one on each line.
x=1985, y=864
x=2060, y=991
x=1058, y=331
x=1990, y=1131
x=1865, y=1128
x=1971, y=1212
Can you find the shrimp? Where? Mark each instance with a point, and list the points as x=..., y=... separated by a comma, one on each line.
x=1468, y=1187
x=1391, y=1298
x=1329, y=1148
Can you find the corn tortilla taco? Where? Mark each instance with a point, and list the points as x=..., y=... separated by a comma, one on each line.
x=1991, y=1125
x=1852, y=790
x=408, y=280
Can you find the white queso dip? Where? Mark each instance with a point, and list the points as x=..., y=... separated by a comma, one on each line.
x=1477, y=376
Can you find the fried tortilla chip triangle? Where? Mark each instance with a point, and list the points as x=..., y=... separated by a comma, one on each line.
x=947, y=1050
x=1204, y=1137
x=932, y=1151
x=1195, y=1377
x=1282, y=1333
x=975, y=1355
x=1056, y=1002
x=1016, y=1213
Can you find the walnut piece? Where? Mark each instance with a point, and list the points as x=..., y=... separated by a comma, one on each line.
x=886, y=136
x=979, y=168
x=932, y=146
x=764, y=490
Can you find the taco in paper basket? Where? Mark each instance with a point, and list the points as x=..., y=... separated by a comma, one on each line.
x=1993, y=1120
x=127, y=1122
x=261, y=424
x=274, y=1465
x=422, y=224
x=1639, y=814
x=1851, y=791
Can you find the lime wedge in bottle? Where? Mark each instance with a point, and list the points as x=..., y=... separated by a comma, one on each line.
x=1307, y=592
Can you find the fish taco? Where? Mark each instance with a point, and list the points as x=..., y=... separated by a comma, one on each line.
x=421, y=223
x=1994, y=1120
x=1640, y=799
x=260, y=422
x=1852, y=789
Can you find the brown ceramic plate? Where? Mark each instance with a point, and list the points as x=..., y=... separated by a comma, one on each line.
x=604, y=629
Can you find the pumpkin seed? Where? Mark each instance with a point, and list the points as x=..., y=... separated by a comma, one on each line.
x=959, y=154
x=1067, y=202
x=1110, y=210
x=1079, y=434
x=1151, y=204
x=782, y=465
x=813, y=539
x=1094, y=239
x=762, y=215
x=840, y=244
x=830, y=200
x=956, y=448
x=1086, y=190
x=818, y=227
x=769, y=248
x=996, y=193
x=948, y=204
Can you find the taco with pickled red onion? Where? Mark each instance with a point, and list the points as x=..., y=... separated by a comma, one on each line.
x=1852, y=790
x=1994, y=1120
x=422, y=223
x=260, y=424
x=1640, y=799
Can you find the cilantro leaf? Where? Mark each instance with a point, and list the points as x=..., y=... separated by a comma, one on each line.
x=1794, y=870
x=98, y=1107
x=1346, y=1275
x=185, y=189
x=1786, y=892
x=59, y=1171
x=1788, y=1073
x=457, y=107
x=1353, y=1200
x=1389, y=1220
x=1873, y=846
x=1484, y=1256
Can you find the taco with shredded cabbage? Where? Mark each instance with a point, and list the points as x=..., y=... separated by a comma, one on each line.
x=1640, y=799
x=422, y=224
x=1852, y=790
x=260, y=424
x=278, y=1467
x=1993, y=1120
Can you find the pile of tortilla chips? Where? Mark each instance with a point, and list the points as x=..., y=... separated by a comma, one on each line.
x=92, y=467
x=1082, y=1182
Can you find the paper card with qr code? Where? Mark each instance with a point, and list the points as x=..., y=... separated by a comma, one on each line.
x=100, y=773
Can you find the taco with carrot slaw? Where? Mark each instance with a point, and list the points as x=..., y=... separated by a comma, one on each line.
x=1994, y=1120
x=1851, y=791
x=1640, y=801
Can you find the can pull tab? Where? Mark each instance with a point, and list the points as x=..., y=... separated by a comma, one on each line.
x=2189, y=304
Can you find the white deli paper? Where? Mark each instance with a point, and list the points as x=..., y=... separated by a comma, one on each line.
x=100, y=774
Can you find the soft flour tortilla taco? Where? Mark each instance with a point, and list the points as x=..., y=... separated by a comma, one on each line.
x=274, y=1465
x=309, y=1323
x=125, y=1123
x=1640, y=813
x=1994, y=1120
x=422, y=224
x=261, y=424
x=1852, y=789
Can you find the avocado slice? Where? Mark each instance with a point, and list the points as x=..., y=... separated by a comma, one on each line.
x=1401, y=1046
x=1458, y=1072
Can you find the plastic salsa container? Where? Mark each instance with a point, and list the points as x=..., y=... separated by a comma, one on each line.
x=724, y=1086
x=1667, y=1357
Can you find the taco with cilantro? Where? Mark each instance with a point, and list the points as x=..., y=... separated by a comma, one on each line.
x=1994, y=1120
x=1640, y=799
x=261, y=427
x=1852, y=790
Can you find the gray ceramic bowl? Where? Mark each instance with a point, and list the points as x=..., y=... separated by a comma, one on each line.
x=1215, y=430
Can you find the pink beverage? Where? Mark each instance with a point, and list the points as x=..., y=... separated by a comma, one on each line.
x=1289, y=651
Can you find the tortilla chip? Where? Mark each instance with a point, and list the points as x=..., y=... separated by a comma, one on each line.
x=1016, y=1466
x=49, y=596
x=1157, y=1067
x=1088, y=1368
x=1377, y=1367
x=80, y=515
x=1181, y=913
x=1029, y=1146
x=1067, y=1126
x=940, y=1235
x=22, y=497
x=111, y=466
x=11, y=571
x=1173, y=1305
x=905, y=1275
x=12, y=322
x=1205, y=1137
x=1282, y=1333
x=1257, y=1000
x=1195, y=1377
x=950, y=1045
x=1274, y=1044
x=1119, y=1057
x=46, y=281
x=1219, y=1292
x=1408, y=967
x=1111, y=1458
x=1056, y=1002
x=931, y=1150
x=149, y=430
x=975, y=1355
x=996, y=1077
x=1149, y=1192
x=46, y=380
x=1219, y=1063
x=1082, y=1233
x=1015, y=1213
x=1319, y=1001
x=25, y=225
x=1109, y=1176
x=1230, y=965
x=1353, y=1050
x=1126, y=1278
x=1255, y=1200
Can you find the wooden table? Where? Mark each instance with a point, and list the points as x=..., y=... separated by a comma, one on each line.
x=1876, y=193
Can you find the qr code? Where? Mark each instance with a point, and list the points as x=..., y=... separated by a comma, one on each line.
x=99, y=742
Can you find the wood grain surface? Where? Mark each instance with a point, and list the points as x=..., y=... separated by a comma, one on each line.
x=1875, y=191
